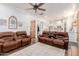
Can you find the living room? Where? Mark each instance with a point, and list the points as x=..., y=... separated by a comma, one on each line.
x=26, y=29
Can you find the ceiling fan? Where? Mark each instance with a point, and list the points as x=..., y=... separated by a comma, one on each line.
x=36, y=7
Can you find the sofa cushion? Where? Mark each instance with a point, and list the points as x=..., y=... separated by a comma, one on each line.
x=59, y=42
x=52, y=35
x=7, y=38
x=2, y=41
x=7, y=46
x=65, y=34
x=45, y=35
x=59, y=36
x=43, y=38
x=9, y=43
x=21, y=33
x=21, y=37
x=26, y=39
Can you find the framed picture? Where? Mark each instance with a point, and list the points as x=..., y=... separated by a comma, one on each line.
x=3, y=22
x=12, y=22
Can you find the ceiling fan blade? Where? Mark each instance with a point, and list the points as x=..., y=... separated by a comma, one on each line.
x=40, y=4
x=42, y=9
x=31, y=4
x=29, y=8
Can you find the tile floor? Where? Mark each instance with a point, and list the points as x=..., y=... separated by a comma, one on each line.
x=40, y=49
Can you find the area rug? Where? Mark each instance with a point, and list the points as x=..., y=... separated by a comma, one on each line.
x=39, y=49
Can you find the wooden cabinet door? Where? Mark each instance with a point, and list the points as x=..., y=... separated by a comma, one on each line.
x=78, y=28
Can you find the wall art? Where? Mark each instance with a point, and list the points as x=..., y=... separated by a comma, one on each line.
x=3, y=22
x=12, y=22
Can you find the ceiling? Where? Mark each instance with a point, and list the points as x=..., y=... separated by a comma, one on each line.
x=53, y=10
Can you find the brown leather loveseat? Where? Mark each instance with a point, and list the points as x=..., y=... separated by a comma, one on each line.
x=57, y=39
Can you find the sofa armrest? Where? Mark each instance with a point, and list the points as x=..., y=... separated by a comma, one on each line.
x=28, y=36
x=0, y=47
x=66, y=38
x=66, y=43
x=41, y=35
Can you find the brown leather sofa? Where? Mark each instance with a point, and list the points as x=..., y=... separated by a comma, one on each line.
x=58, y=39
x=11, y=40
x=7, y=41
x=25, y=39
